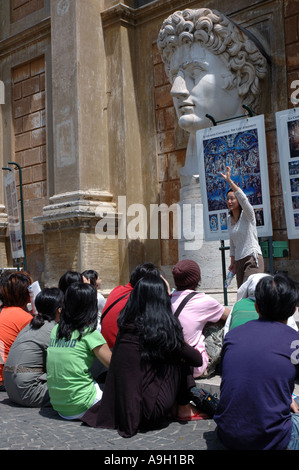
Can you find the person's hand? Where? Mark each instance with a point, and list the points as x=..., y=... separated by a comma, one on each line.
x=294, y=406
x=227, y=175
x=232, y=267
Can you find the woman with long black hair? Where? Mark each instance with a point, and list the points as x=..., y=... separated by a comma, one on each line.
x=149, y=374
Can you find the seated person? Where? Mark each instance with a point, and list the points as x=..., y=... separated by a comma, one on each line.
x=118, y=298
x=68, y=278
x=259, y=367
x=92, y=277
x=244, y=309
x=199, y=311
x=14, y=314
x=75, y=342
x=149, y=375
x=25, y=377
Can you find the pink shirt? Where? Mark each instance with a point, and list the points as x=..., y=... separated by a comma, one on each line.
x=199, y=310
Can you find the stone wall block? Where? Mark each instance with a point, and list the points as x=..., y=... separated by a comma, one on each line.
x=292, y=56
x=21, y=73
x=30, y=157
x=21, y=8
x=291, y=7
x=38, y=137
x=37, y=101
x=30, y=86
x=32, y=121
x=22, y=142
x=163, y=97
x=21, y=107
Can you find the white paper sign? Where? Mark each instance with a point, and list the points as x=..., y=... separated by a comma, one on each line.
x=287, y=125
x=12, y=207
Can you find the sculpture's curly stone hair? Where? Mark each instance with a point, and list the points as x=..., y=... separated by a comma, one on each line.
x=243, y=54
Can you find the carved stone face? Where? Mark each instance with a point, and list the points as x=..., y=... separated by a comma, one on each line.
x=202, y=84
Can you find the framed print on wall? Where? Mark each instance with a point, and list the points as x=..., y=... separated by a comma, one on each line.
x=287, y=126
x=241, y=145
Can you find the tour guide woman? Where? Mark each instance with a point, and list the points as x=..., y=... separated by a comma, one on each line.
x=245, y=251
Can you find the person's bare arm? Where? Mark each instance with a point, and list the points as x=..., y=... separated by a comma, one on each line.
x=103, y=354
x=225, y=313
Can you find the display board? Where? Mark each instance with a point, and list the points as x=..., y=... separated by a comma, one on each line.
x=241, y=145
x=12, y=207
x=287, y=125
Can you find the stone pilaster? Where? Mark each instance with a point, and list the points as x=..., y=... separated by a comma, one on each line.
x=80, y=161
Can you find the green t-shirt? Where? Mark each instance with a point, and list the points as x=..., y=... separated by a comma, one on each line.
x=243, y=311
x=70, y=383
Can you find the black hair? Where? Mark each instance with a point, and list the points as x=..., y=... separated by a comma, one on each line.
x=68, y=278
x=14, y=289
x=141, y=270
x=91, y=275
x=47, y=302
x=230, y=190
x=149, y=310
x=79, y=311
x=277, y=297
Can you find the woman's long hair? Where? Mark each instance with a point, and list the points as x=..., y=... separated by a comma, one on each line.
x=47, y=302
x=79, y=311
x=149, y=309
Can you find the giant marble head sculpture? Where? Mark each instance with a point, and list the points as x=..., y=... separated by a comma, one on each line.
x=214, y=66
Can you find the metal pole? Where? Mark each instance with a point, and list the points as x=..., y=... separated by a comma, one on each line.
x=22, y=211
x=222, y=249
x=270, y=247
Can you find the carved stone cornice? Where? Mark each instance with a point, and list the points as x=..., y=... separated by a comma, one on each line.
x=25, y=38
x=119, y=13
x=79, y=209
x=129, y=16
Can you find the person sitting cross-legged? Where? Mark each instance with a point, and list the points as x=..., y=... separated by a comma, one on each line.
x=259, y=367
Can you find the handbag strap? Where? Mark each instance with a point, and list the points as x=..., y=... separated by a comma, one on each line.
x=112, y=305
x=183, y=303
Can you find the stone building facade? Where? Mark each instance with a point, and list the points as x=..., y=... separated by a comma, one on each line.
x=89, y=117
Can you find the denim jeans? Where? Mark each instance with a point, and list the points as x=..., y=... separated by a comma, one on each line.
x=294, y=441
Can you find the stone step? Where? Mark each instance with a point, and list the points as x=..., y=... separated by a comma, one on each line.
x=210, y=384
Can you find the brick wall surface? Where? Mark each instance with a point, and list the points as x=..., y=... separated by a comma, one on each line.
x=292, y=39
x=170, y=158
x=28, y=96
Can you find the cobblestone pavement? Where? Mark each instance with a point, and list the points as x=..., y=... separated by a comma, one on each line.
x=43, y=429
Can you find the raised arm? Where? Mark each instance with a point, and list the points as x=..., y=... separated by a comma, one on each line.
x=240, y=195
x=227, y=177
